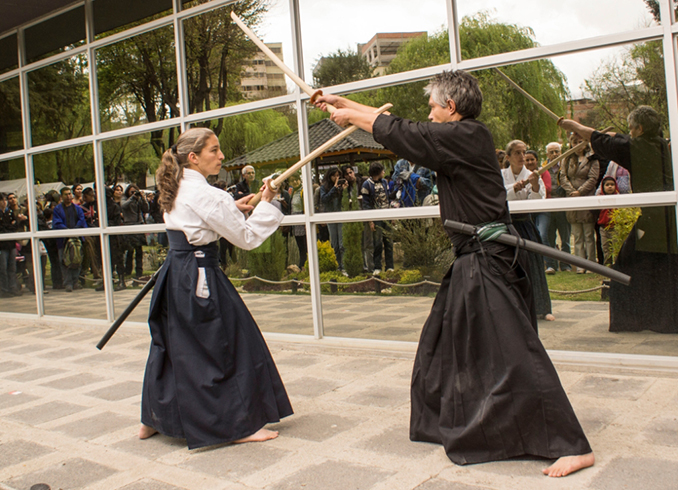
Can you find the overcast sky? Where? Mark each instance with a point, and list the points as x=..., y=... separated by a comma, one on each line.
x=331, y=25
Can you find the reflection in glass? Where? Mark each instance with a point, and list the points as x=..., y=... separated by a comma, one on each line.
x=66, y=167
x=223, y=67
x=504, y=28
x=59, y=101
x=111, y=16
x=11, y=127
x=12, y=176
x=389, y=38
x=8, y=53
x=75, y=286
x=137, y=80
x=129, y=170
x=17, y=289
x=55, y=35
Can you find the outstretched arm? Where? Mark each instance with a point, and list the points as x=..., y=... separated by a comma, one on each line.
x=348, y=112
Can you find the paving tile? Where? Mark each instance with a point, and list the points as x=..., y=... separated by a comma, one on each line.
x=440, y=484
x=662, y=431
x=362, y=366
x=636, y=473
x=612, y=387
x=396, y=441
x=76, y=381
x=381, y=396
x=72, y=474
x=312, y=387
x=11, y=366
x=97, y=425
x=107, y=357
x=13, y=398
x=136, y=366
x=234, y=461
x=297, y=361
x=46, y=412
x=151, y=448
x=20, y=451
x=34, y=374
x=595, y=419
x=118, y=391
x=29, y=348
x=524, y=467
x=315, y=427
x=147, y=484
x=62, y=353
x=334, y=475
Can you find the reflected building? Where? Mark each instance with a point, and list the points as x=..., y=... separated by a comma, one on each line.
x=383, y=47
x=261, y=78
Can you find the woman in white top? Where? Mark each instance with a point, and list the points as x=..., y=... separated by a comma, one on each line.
x=522, y=184
x=209, y=377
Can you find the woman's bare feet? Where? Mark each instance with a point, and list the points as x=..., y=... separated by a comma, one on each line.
x=259, y=436
x=145, y=431
x=549, y=317
x=569, y=464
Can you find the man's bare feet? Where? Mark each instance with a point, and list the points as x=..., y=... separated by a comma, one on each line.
x=569, y=464
x=549, y=317
x=145, y=431
x=259, y=436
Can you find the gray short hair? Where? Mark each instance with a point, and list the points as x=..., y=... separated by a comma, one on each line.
x=647, y=117
x=246, y=168
x=460, y=87
x=554, y=144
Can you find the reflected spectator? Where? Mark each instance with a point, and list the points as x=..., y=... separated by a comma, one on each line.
x=68, y=216
x=351, y=198
x=541, y=220
x=608, y=187
x=156, y=214
x=92, y=244
x=521, y=184
x=77, y=194
x=243, y=188
x=557, y=219
x=297, y=203
x=20, y=215
x=52, y=251
x=501, y=158
x=116, y=242
x=52, y=198
x=134, y=206
x=578, y=176
x=404, y=186
x=8, y=252
x=426, y=182
x=375, y=196
x=117, y=195
x=330, y=197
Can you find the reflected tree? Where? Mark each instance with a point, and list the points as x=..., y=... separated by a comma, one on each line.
x=341, y=67
x=11, y=133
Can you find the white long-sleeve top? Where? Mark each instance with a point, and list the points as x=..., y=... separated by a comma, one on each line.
x=525, y=193
x=204, y=213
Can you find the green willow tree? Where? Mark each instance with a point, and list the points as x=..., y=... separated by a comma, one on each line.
x=341, y=67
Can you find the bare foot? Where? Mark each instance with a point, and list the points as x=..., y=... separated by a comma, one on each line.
x=569, y=464
x=145, y=431
x=549, y=317
x=259, y=436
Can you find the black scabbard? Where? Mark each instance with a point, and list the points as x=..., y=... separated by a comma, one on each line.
x=553, y=253
x=144, y=291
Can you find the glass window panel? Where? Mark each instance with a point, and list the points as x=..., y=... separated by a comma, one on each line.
x=266, y=140
x=385, y=265
x=132, y=161
x=16, y=277
x=58, y=97
x=11, y=126
x=55, y=35
x=388, y=37
x=75, y=291
x=137, y=80
x=70, y=168
x=13, y=176
x=225, y=68
x=112, y=16
x=9, y=59
x=490, y=27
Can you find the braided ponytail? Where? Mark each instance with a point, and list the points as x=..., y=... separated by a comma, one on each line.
x=174, y=161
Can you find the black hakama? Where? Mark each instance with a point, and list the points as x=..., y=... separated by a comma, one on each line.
x=210, y=377
x=540, y=287
x=482, y=384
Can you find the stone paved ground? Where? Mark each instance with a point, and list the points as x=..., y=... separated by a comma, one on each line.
x=69, y=414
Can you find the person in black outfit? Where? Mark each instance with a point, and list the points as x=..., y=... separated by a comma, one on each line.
x=116, y=242
x=482, y=384
x=649, y=254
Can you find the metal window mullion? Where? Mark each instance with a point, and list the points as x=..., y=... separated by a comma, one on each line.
x=306, y=177
x=180, y=52
x=453, y=32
